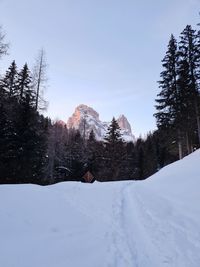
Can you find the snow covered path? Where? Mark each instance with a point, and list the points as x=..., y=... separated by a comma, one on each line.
x=151, y=223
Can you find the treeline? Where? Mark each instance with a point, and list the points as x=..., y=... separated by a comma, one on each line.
x=70, y=155
x=35, y=150
x=178, y=103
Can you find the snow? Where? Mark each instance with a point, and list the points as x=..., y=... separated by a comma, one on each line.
x=148, y=223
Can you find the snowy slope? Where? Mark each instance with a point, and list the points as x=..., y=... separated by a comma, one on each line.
x=151, y=223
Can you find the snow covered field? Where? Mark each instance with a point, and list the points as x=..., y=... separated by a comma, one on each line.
x=151, y=223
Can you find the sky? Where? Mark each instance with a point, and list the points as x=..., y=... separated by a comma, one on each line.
x=103, y=53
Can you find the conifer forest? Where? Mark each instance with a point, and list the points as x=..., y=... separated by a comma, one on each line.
x=35, y=149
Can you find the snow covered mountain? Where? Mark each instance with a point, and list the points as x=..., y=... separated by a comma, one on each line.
x=150, y=223
x=86, y=119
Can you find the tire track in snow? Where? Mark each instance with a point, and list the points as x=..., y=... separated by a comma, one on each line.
x=136, y=233
x=120, y=253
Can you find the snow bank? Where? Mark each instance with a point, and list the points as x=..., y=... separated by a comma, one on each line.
x=151, y=223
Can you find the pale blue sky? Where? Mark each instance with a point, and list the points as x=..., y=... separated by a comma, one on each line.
x=103, y=53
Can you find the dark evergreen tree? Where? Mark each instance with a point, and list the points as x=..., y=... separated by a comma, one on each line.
x=189, y=57
x=91, y=138
x=169, y=100
x=24, y=84
x=114, y=150
x=185, y=115
x=4, y=121
x=140, y=161
x=31, y=136
x=8, y=106
x=113, y=135
x=166, y=98
x=129, y=163
x=23, y=131
x=91, y=153
x=53, y=136
x=8, y=82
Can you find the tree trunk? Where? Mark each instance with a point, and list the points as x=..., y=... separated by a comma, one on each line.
x=198, y=119
x=39, y=81
x=180, y=148
x=188, y=144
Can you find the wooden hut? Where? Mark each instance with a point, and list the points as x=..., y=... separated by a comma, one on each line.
x=88, y=177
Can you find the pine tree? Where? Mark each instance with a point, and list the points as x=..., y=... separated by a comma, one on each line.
x=24, y=83
x=114, y=151
x=3, y=137
x=113, y=135
x=31, y=141
x=129, y=164
x=8, y=106
x=8, y=82
x=168, y=102
x=23, y=132
x=30, y=133
x=185, y=114
x=140, y=159
x=91, y=138
x=78, y=155
x=189, y=55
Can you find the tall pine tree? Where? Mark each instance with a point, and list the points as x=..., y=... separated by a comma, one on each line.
x=189, y=56
x=168, y=114
x=114, y=152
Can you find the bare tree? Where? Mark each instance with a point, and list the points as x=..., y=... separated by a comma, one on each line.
x=3, y=46
x=40, y=80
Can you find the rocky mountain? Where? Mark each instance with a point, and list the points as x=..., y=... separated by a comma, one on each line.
x=125, y=128
x=86, y=119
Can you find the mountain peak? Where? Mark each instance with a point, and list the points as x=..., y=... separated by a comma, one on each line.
x=85, y=110
x=123, y=123
x=85, y=119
